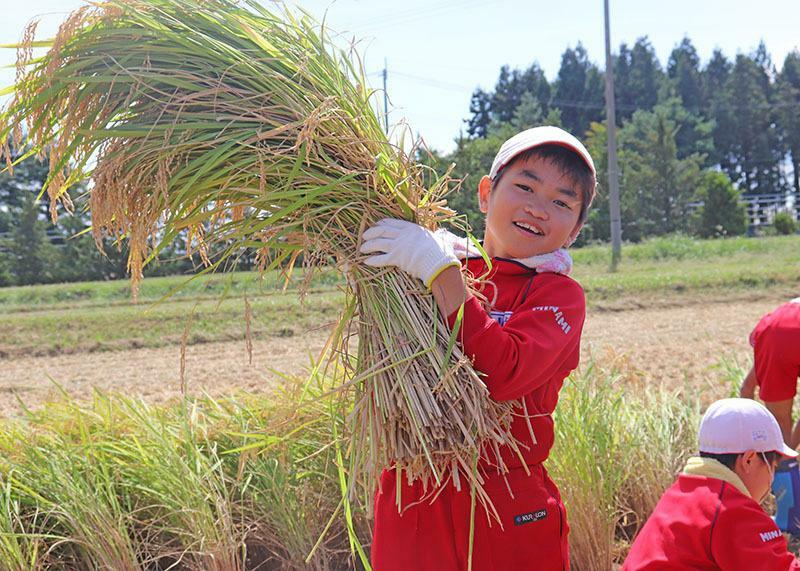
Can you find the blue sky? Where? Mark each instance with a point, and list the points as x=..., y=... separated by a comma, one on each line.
x=439, y=51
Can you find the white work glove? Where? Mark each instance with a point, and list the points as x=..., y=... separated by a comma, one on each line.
x=410, y=247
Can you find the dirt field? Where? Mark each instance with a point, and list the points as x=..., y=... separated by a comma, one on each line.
x=682, y=342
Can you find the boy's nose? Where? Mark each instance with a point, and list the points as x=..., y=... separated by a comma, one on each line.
x=536, y=209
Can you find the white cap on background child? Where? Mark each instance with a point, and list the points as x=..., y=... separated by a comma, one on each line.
x=537, y=137
x=733, y=426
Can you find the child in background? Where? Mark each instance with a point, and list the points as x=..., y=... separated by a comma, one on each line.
x=711, y=518
x=525, y=342
x=776, y=367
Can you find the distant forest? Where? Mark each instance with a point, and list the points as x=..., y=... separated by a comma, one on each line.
x=694, y=137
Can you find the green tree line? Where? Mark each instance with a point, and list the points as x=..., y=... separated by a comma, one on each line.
x=692, y=135
x=33, y=250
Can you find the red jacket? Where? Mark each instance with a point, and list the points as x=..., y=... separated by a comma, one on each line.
x=776, y=351
x=526, y=345
x=705, y=524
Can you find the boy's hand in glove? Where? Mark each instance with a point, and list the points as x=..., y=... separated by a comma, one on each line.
x=410, y=247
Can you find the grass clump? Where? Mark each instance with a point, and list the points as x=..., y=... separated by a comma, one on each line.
x=201, y=484
x=615, y=454
x=677, y=247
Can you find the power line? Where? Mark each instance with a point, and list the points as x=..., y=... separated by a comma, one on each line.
x=415, y=14
x=578, y=104
x=431, y=81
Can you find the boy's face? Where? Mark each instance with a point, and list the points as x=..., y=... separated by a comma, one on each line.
x=533, y=209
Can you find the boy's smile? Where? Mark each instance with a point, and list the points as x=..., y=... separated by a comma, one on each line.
x=532, y=209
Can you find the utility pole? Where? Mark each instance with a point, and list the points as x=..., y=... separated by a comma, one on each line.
x=613, y=172
x=385, y=99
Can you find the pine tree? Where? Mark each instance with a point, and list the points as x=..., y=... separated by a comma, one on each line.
x=480, y=107
x=528, y=113
x=657, y=185
x=579, y=91
x=716, y=105
x=506, y=96
x=646, y=75
x=623, y=96
x=683, y=70
x=714, y=78
x=31, y=253
x=755, y=149
x=722, y=213
x=534, y=82
x=788, y=105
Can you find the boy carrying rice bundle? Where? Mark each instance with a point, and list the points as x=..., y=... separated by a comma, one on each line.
x=522, y=330
x=240, y=130
x=221, y=123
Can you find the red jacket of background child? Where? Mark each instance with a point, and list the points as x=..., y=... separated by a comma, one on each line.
x=776, y=348
x=526, y=346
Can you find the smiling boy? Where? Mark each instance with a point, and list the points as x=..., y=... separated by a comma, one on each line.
x=522, y=333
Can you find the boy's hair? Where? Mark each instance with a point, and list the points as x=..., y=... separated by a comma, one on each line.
x=729, y=460
x=569, y=163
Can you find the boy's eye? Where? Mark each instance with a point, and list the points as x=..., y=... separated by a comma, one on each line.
x=524, y=187
x=561, y=203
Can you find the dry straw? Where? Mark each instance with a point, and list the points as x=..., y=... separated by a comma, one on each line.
x=239, y=130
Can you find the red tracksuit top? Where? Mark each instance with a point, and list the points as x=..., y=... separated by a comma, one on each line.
x=525, y=346
x=776, y=351
x=705, y=524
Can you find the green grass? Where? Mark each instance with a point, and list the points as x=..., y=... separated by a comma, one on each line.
x=681, y=247
x=208, y=286
x=678, y=264
x=201, y=484
x=99, y=316
x=69, y=329
x=616, y=451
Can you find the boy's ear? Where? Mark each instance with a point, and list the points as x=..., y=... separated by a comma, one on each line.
x=748, y=460
x=484, y=190
x=573, y=235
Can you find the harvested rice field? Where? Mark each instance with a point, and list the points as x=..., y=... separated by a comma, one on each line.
x=674, y=341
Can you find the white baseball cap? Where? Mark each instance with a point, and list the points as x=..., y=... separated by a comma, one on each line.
x=536, y=137
x=733, y=426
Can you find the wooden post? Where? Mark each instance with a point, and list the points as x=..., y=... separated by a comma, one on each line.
x=613, y=171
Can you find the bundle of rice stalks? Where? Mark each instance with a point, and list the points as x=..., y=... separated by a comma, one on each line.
x=243, y=130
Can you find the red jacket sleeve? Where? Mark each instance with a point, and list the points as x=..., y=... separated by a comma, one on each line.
x=745, y=538
x=534, y=343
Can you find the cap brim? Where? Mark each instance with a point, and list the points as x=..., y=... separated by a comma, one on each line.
x=787, y=451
